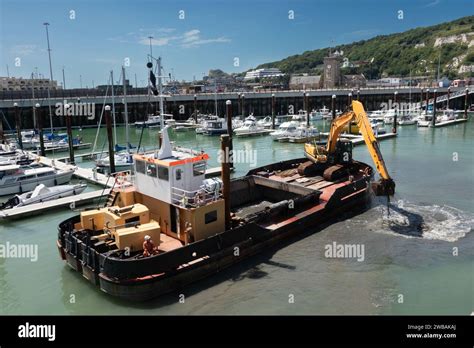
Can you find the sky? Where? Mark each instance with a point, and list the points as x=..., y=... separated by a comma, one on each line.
x=89, y=38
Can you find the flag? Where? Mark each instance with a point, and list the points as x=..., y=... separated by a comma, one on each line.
x=153, y=83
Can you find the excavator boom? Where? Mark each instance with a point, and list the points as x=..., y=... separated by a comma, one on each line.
x=385, y=186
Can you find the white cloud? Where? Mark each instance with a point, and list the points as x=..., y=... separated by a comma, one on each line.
x=199, y=42
x=168, y=37
x=433, y=3
x=23, y=50
x=162, y=41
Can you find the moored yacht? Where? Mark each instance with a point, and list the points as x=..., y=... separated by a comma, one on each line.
x=285, y=130
x=42, y=193
x=250, y=127
x=304, y=134
x=266, y=122
x=16, y=179
x=215, y=126
x=152, y=120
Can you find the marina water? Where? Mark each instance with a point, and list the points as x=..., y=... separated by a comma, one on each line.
x=418, y=258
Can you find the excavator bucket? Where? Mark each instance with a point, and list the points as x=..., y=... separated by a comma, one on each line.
x=384, y=187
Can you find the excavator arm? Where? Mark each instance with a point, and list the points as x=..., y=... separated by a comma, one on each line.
x=385, y=186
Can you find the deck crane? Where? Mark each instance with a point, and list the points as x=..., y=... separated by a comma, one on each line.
x=337, y=154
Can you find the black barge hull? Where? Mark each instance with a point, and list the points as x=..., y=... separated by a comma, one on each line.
x=131, y=280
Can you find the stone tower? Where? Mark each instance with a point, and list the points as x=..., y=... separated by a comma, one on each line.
x=332, y=71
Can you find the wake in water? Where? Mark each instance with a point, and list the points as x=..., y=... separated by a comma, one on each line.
x=426, y=221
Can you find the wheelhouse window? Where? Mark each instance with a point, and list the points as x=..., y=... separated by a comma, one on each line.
x=199, y=168
x=163, y=173
x=151, y=170
x=178, y=174
x=210, y=217
x=140, y=166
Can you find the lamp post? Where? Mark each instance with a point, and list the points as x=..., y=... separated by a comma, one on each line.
x=465, y=103
x=46, y=24
x=18, y=125
x=40, y=129
x=394, y=128
x=273, y=110
x=427, y=100
x=433, y=120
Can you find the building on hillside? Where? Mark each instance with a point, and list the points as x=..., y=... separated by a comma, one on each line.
x=305, y=81
x=354, y=81
x=263, y=73
x=332, y=71
x=21, y=84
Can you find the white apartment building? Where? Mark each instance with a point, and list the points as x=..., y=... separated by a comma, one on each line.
x=21, y=84
x=263, y=73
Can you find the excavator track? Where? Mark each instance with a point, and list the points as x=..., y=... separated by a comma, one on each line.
x=335, y=172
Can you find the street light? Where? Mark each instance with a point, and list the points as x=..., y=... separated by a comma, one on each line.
x=151, y=50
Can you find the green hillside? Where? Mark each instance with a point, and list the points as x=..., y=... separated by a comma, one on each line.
x=396, y=54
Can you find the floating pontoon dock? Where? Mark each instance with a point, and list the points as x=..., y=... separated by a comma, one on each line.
x=254, y=134
x=37, y=208
x=358, y=139
x=448, y=123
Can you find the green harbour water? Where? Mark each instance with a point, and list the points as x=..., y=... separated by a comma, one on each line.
x=431, y=271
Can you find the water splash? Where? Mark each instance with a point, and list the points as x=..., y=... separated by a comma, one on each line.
x=427, y=221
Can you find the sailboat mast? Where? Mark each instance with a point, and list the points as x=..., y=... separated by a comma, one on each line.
x=127, y=140
x=113, y=104
x=215, y=94
x=409, y=95
x=160, y=91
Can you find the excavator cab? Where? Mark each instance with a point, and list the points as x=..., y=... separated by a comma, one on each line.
x=338, y=152
x=343, y=153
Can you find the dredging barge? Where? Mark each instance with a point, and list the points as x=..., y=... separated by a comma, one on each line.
x=200, y=226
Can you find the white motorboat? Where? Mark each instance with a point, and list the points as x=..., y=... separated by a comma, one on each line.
x=123, y=161
x=16, y=179
x=377, y=115
x=301, y=116
x=406, y=120
x=7, y=150
x=152, y=120
x=423, y=123
x=203, y=122
x=190, y=123
x=249, y=127
x=285, y=130
x=42, y=193
x=304, y=134
x=266, y=122
x=447, y=115
x=316, y=115
x=168, y=120
x=389, y=116
x=215, y=127
x=19, y=158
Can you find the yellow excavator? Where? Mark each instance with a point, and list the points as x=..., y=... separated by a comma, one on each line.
x=337, y=154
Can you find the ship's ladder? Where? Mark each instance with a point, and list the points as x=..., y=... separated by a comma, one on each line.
x=111, y=198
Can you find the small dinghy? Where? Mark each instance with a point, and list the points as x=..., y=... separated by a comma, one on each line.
x=43, y=193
